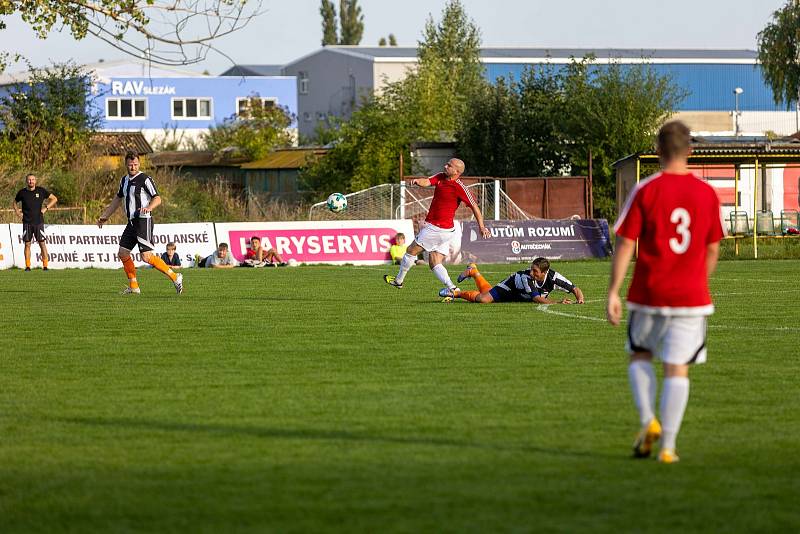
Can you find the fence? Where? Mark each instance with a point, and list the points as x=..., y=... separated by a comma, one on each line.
x=57, y=215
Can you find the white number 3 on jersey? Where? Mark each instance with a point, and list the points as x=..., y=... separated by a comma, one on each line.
x=682, y=218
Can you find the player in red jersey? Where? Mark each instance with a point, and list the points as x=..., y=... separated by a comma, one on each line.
x=438, y=231
x=676, y=218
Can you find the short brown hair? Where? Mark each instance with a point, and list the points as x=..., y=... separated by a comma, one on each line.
x=131, y=155
x=673, y=140
x=540, y=263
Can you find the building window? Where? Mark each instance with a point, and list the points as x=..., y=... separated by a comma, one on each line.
x=302, y=82
x=244, y=103
x=191, y=108
x=321, y=117
x=126, y=108
x=307, y=116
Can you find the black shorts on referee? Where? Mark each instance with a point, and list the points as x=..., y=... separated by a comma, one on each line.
x=30, y=231
x=139, y=231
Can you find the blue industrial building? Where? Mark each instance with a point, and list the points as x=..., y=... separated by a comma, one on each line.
x=332, y=80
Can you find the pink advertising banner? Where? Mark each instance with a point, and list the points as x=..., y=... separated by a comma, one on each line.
x=336, y=242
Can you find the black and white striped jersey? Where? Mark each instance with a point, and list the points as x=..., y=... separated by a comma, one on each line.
x=137, y=191
x=521, y=284
x=526, y=286
x=553, y=280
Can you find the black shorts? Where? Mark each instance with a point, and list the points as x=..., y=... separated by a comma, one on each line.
x=501, y=293
x=138, y=232
x=29, y=231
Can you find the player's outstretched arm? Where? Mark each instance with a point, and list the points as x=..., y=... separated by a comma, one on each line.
x=712, y=255
x=544, y=300
x=422, y=182
x=479, y=217
x=619, y=267
x=578, y=295
x=109, y=211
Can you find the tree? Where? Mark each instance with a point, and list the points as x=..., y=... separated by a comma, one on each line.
x=351, y=21
x=392, y=41
x=425, y=105
x=449, y=70
x=329, y=32
x=512, y=127
x=167, y=32
x=253, y=134
x=614, y=111
x=779, y=53
x=547, y=123
x=46, y=120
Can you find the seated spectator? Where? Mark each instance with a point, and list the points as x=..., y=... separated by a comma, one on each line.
x=171, y=258
x=222, y=258
x=398, y=250
x=258, y=256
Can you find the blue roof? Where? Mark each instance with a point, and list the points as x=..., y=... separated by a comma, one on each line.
x=709, y=86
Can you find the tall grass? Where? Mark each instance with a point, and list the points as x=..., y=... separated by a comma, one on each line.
x=184, y=199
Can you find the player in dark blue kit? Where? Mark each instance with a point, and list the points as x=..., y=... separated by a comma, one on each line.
x=534, y=285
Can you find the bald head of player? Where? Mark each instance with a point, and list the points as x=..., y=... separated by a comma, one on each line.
x=454, y=168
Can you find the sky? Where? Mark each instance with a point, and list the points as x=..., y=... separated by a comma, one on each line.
x=289, y=29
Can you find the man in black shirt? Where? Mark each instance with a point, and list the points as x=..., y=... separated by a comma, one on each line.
x=33, y=199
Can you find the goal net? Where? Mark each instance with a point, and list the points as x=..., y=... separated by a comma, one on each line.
x=389, y=201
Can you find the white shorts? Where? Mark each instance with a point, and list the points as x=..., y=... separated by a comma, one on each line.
x=679, y=340
x=435, y=239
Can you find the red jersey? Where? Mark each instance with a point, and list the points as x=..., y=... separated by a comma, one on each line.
x=251, y=254
x=674, y=217
x=445, y=201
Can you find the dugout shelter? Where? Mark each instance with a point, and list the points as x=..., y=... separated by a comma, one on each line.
x=756, y=178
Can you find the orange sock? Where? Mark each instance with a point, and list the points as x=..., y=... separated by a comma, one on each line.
x=130, y=270
x=44, y=261
x=480, y=281
x=468, y=295
x=159, y=264
x=28, y=263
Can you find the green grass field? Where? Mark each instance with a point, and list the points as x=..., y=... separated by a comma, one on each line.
x=320, y=399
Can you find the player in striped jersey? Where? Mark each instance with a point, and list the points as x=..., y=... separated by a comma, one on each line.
x=439, y=229
x=140, y=197
x=534, y=285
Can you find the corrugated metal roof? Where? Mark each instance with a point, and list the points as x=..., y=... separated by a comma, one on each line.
x=787, y=148
x=253, y=70
x=120, y=143
x=199, y=158
x=285, y=159
x=539, y=52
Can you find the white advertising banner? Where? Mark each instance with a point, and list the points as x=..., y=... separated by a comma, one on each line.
x=335, y=242
x=6, y=252
x=81, y=246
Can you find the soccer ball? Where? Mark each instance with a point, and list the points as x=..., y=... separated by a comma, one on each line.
x=336, y=202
